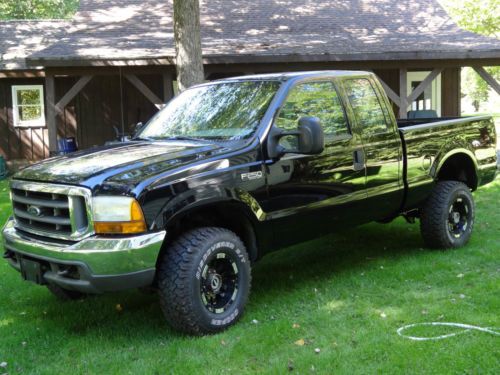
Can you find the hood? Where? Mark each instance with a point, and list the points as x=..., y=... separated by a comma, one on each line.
x=118, y=162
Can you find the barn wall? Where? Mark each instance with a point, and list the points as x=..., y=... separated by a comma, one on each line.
x=97, y=109
x=89, y=117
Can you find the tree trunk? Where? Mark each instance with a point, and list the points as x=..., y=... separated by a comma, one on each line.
x=187, y=43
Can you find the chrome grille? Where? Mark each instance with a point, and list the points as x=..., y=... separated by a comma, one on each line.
x=51, y=210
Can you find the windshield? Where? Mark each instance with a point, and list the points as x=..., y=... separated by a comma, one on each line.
x=225, y=111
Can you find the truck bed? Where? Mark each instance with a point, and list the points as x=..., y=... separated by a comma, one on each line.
x=426, y=142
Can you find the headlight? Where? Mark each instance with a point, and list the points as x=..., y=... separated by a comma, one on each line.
x=117, y=215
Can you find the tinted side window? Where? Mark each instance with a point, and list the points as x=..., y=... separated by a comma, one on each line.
x=318, y=99
x=366, y=106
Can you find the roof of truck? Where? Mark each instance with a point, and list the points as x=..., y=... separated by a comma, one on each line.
x=284, y=76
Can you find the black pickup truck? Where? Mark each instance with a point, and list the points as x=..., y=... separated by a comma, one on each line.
x=231, y=170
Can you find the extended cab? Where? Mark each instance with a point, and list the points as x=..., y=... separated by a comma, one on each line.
x=230, y=170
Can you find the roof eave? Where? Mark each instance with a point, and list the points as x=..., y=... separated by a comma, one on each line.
x=82, y=61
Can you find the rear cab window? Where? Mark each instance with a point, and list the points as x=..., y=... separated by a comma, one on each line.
x=366, y=106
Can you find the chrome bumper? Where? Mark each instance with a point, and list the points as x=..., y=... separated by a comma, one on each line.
x=101, y=264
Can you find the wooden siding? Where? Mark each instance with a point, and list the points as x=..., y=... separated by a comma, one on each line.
x=89, y=117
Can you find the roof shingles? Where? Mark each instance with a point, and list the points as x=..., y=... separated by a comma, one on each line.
x=234, y=30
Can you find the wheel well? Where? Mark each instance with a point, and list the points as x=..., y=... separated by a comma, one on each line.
x=226, y=215
x=459, y=167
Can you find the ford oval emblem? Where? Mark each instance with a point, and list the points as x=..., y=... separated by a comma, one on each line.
x=34, y=210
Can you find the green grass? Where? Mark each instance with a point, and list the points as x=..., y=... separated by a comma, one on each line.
x=348, y=293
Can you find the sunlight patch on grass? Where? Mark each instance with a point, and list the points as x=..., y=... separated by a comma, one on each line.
x=334, y=305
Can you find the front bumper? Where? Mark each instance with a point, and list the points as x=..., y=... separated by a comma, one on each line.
x=92, y=265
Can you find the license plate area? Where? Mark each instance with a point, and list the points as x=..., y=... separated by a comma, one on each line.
x=31, y=271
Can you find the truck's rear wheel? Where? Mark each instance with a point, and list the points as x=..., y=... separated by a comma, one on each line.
x=447, y=217
x=65, y=294
x=204, y=280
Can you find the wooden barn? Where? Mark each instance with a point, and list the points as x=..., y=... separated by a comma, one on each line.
x=112, y=65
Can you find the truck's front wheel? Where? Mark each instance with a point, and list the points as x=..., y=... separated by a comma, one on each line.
x=204, y=280
x=447, y=217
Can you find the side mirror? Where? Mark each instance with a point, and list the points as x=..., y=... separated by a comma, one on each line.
x=138, y=126
x=310, y=136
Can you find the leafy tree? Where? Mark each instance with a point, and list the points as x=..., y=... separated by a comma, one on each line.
x=37, y=9
x=482, y=17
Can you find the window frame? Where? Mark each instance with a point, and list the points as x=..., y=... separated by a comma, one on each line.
x=328, y=137
x=17, y=122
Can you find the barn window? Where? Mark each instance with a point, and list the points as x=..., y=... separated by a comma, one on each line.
x=27, y=105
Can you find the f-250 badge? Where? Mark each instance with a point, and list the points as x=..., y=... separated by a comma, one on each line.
x=251, y=176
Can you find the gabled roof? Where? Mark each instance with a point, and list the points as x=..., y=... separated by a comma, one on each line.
x=140, y=32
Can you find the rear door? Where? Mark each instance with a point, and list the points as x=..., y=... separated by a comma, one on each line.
x=381, y=144
x=314, y=194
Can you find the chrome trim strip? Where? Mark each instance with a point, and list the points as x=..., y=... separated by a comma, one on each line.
x=430, y=125
x=69, y=191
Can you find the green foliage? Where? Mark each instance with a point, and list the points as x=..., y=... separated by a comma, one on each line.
x=482, y=17
x=37, y=9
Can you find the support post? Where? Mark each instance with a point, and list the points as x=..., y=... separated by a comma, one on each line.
x=403, y=94
x=50, y=94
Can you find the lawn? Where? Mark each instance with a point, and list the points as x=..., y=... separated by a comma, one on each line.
x=345, y=295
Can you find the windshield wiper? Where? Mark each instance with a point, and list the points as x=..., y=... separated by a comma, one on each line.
x=184, y=138
x=143, y=139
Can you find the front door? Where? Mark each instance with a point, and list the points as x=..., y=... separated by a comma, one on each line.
x=314, y=194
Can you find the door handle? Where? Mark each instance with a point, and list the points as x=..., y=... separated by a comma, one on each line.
x=359, y=160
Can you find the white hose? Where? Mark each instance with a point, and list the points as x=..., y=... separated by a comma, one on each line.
x=466, y=328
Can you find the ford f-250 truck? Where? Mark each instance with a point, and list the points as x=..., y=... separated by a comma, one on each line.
x=230, y=170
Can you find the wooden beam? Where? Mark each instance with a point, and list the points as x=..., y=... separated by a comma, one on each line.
x=168, y=88
x=77, y=87
x=390, y=93
x=423, y=85
x=50, y=94
x=150, y=95
x=488, y=78
x=403, y=96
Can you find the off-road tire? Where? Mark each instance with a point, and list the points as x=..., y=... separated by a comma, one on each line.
x=65, y=294
x=437, y=216
x=182, y=280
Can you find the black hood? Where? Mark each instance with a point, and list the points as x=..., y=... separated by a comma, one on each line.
x=124, y=162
